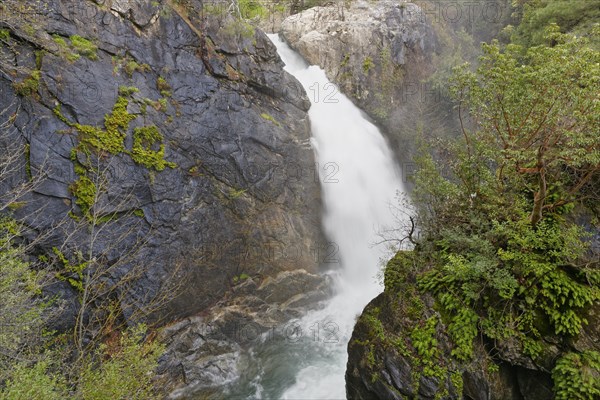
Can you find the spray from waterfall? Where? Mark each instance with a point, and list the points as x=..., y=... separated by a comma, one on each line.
x=359, y=183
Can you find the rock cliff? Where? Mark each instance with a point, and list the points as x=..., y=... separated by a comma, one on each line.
x=161, y=140
x=381, y=55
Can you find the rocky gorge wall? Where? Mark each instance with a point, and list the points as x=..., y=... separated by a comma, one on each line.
x=381, y=55
x=166, y=137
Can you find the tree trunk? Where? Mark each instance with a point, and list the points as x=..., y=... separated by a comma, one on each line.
x=540, y=196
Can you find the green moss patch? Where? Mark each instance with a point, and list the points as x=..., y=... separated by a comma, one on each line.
x=144, y=139
x=147, y=150
x=77, y=47
x=29, y=86
x=270, y=118
x=84, y=47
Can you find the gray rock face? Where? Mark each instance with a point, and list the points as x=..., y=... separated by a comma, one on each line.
x=326, y=35
x=379, y=54
x=240, y=201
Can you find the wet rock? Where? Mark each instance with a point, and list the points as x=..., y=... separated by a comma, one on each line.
x=200, y=346
x=230, y=196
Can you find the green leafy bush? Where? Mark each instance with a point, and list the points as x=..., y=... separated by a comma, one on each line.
x=34, y=383
x=20, y=314
x=251, y=9
x=499, y=248
x=126, y=370
x=576, y=16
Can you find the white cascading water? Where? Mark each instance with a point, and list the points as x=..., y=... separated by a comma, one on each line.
x=361, y=185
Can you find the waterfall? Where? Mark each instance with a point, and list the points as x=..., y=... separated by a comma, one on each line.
x=359, y=182
x=307, y=358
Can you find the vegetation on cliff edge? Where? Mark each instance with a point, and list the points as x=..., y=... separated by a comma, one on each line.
x=497, y=209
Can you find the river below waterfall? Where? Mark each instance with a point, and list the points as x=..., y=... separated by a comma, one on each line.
x=307, y=358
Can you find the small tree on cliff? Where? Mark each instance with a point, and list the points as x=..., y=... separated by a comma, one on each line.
x=112, y=360
x=538, y=111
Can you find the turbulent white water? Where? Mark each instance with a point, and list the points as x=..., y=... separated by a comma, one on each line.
x=359, y=182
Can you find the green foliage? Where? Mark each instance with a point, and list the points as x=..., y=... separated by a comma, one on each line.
x=463, y=331
x=73, y=273
x=123, y=370
x=213, y=9
x=376, y=334
x=64, y=50
x=239, y=28
x=20, y=314
x=573, y=16
x=367, y=65
x=4, y=34
x=116, y=124
x=84, y=47
x=112, y=137
x=85, y=192
x=142, y=153
x=424, y=341
x=428, y=353
x=371, y=319
x=161, y=105
x=34, y=383
x=252, y=9
x=576, y=376
x=539, y=108
x=130, y=66
x=398, y=278
x=522, y=275
x=499, y=249
x=29, y=86
x=163, y=87
x=456, y=377
x=126, y=370
x=127, y=91
x=395, y=273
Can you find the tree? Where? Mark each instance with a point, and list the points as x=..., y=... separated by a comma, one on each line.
x=573, y=16
x=502, y=253
x=108, y=359
x=540, y=108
